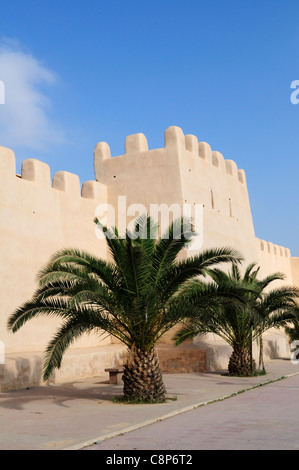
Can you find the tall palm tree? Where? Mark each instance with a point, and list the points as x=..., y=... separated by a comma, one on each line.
x=239, y=324
x=136, y=297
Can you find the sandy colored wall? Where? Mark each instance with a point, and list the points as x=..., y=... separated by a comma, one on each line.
x=295, y=270
x=141, y=176
x=274, y=258
x=189, y=172
x=186, y=172
x=39, y=216
x=216, y=182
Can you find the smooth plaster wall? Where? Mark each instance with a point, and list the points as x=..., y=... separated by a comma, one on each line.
x=274, y=258
x=39, y=217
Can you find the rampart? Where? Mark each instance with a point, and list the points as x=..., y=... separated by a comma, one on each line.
x=39, y=216
x=275, y=258
x=185, y=171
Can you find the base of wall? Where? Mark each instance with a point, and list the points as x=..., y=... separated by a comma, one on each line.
x=184, y=358
x=275, y=346
x=25, y=369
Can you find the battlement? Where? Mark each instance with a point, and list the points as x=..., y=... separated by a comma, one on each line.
x=40, y=215
x=38, y=172
x=174, y=141
x=273, y=249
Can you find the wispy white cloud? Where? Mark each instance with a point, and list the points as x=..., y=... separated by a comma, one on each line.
x=25, y=117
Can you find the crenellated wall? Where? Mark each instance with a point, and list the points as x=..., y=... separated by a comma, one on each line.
x=39, y=216
x=295, y=270
x=274, y=258
x=185, y=171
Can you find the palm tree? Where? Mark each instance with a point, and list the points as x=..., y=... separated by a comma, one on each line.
x=136, y=297
x=239, y=324
x=276, y=308
x=293, y=333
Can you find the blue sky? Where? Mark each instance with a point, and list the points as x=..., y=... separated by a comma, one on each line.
x=77, y=73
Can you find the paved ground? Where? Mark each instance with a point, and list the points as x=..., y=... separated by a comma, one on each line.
x=77, y=415
x=265, y=418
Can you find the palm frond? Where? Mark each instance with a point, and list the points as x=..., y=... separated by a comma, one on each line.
x=136, y=298
x=56, y=307
x=169, y=246
x=176, y=275
x=70, y=331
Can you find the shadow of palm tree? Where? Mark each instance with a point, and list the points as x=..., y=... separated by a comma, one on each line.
x=95, y=390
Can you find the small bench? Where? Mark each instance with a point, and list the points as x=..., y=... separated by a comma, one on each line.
x=114, y=373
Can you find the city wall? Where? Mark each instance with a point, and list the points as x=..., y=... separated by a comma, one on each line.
x=39, y=217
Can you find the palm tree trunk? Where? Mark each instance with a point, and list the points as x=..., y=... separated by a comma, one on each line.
x=250, y=350
x=241, y=362
x=261, y=358
x=143, y=377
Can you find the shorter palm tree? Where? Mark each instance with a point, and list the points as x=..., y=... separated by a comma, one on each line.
x=293, y=333
x=239, y=324
x=136, y=297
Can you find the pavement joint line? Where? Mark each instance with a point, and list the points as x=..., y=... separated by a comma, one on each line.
x=140, y=425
